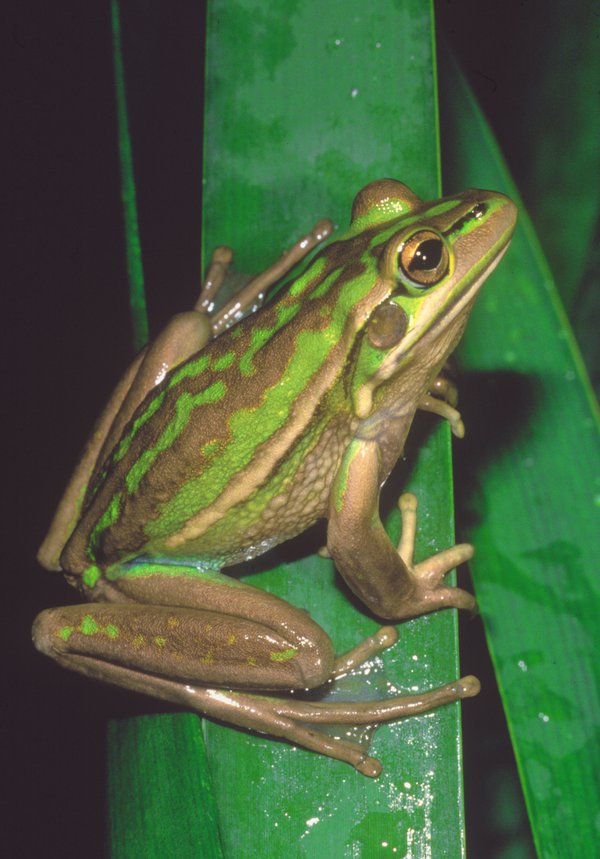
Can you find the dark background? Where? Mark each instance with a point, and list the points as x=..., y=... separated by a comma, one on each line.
x=69, y=337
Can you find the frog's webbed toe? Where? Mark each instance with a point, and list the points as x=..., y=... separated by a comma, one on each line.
x=298, y=721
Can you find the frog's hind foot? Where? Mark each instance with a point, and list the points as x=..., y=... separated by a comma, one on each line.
x=384, y=638
x=253, y=293
x=296, y=721
x=291, y=719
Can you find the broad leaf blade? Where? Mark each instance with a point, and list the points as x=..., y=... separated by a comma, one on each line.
x=160, y=796
x=534, y=509
x=306, y=105
x=301, y=112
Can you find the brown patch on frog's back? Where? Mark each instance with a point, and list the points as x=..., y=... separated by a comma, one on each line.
x=354, y=248
x=186, y=456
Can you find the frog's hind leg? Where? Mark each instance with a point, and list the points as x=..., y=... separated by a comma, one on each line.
x=292, y=720
x=254, y=291
x=195, y=645
x=86, y=639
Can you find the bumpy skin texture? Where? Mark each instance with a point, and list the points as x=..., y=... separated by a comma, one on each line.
x=297, y=413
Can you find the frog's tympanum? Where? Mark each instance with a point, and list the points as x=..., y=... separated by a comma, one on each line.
x=223, y=440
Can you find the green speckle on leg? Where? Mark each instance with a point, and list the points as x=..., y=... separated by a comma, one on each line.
x=111, y=630
x=88, y=625
x=282, y=655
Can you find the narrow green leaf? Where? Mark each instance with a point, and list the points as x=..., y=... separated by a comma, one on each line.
x=533, y=509
x=135, y=271
x=160, y=796
x=305, y=104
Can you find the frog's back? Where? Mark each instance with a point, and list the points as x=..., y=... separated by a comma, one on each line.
x=223, y=454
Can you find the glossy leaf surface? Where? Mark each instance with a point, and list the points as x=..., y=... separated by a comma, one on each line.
x=531, y=507
x=305, y=105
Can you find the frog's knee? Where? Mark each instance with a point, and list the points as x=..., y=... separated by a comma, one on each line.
x=53, y=628
x=314, y=660
x=44, y=631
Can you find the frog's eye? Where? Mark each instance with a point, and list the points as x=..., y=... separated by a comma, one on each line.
x=423, y=259
x=387, y=326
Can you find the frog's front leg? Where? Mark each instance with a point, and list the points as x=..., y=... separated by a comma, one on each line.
x=385, y=578
x=442, y=408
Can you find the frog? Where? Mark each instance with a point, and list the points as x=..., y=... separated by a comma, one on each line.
x=238, y=429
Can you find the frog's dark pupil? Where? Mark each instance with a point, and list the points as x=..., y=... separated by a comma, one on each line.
x=427, y=257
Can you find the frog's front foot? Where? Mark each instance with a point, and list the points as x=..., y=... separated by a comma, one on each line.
x=429, y=591
x=441, y=399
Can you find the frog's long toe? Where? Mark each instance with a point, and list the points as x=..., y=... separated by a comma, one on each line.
x=384, y=638
x=430, y=592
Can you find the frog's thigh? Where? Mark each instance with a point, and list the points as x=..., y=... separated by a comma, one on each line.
x=207, y=631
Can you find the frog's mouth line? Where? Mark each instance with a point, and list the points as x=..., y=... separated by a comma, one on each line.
x=462, y=300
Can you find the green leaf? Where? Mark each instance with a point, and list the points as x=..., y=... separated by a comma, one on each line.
x=306, y=103
x=135, y=271
x=532, y=431
x=561, y=161
x=159, y=790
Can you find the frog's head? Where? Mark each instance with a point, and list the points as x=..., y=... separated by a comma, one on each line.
x=433, y=258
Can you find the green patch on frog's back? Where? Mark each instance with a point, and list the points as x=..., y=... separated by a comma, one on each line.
x=185, y=405
x=204, y=429
x=251, y=429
